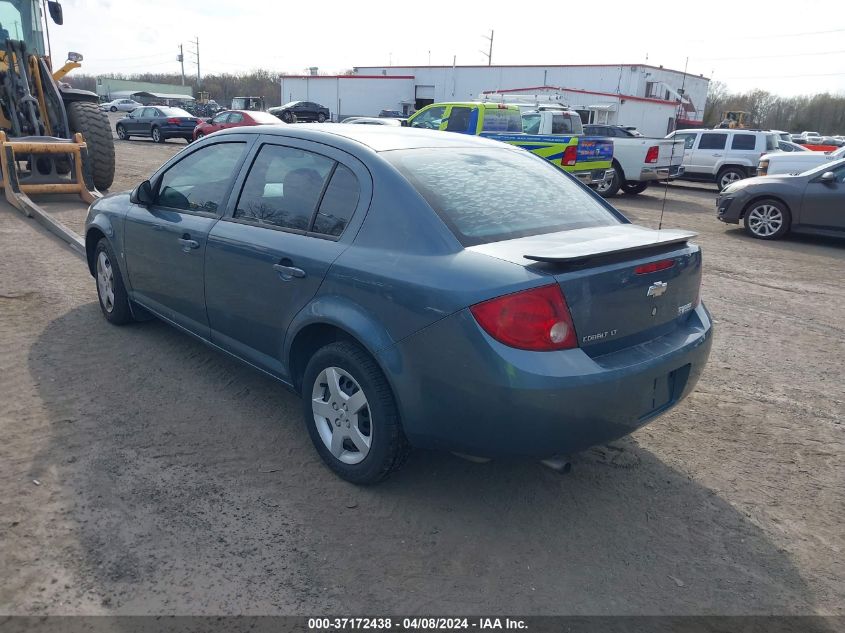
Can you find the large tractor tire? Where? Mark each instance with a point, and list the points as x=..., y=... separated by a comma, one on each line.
x=87, y=118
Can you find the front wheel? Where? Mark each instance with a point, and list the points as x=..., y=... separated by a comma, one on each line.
x=199, y=136
x=634, y=188
x=114, y=301
x=121, y=133
x=113, y=108
x=767, y=219
x=158, y=137
x=351, y=414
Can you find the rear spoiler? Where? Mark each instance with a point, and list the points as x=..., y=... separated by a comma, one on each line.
x=602, y=241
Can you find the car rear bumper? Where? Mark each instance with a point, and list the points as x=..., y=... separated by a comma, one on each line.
x=661, y=173
x=460, y=390
x=177, y=132
x=593, y=176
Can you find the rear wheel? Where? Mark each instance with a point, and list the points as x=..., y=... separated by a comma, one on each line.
x=767, y=219
x=93, y=123
x=728, y=176
x=634, y=188
x=321, y=118
x=158, y=137
x=351, y=414
x=609, y=188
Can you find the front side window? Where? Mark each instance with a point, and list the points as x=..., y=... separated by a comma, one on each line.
x=283, y=187
x=220, y=118
x=531, y=123
x=199, y=182
x=713, y=141
x=429, y=119
x=488, y=195
x=688, y=139
x=771, y=142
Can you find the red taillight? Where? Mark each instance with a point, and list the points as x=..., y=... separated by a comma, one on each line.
x=536, y=319
x=654, y=267
x=651, y=154
x=570, y=156
x=174, y=121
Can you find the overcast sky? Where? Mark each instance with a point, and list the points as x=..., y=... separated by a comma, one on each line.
x=786, y=47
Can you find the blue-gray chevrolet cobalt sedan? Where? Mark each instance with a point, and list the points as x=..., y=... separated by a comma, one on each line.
x=417, y=289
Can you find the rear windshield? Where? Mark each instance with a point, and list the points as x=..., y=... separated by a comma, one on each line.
x=264, y=117
x=489, y=195
x=502, y=120
x=176, y=112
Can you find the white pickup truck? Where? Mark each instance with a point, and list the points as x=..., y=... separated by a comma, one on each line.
x=638, y=160
x=794, y=162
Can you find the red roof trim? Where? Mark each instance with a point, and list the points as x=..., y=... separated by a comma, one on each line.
x=586, y=92
x=347, y=77
x=668, y=70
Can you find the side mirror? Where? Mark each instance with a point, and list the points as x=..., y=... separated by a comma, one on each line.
x=142, y=194
x=828, y=178
x=55, y=10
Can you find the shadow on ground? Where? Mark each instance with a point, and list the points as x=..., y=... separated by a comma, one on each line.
x=193, y=488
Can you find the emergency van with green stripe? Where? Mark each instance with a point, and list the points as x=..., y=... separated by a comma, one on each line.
x=588, y=159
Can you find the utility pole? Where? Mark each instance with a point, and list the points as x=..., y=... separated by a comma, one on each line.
x=196, y=53
x=489, y=53
x=181, y=59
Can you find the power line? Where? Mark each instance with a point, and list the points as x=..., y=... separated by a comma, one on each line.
x=771, y=36
x=787, y=76
x=716, y=59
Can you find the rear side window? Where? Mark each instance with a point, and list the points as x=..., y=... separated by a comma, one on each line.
x=502, y=120
x=712, y=141
x=488, y=195
x=561, y=124
x=283, y=187
x=743, y=141
x=338, y=204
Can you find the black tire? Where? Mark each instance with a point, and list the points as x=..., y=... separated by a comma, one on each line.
x=728, y=176
x=388, y=448
x=612, y=187
x=113, y=108
x=287, y=117
x=156, y=135
x=93, y=123
x=634, y=188
x=121, y=133
x=117, y=312
x=321, y=118
x=767, y=219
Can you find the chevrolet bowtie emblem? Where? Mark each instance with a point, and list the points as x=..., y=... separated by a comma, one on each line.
x=656, y=289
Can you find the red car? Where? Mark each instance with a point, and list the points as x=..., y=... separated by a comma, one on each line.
x=234, y=118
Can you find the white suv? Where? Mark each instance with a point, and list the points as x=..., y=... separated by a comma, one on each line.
x=723, y=156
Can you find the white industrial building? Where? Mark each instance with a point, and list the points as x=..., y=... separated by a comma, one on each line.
x=654, y=99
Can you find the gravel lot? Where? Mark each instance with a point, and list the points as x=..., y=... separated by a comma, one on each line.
x=141, y=472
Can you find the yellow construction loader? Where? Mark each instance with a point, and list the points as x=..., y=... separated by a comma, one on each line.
x=54, y=139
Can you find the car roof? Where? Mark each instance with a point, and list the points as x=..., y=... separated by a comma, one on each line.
x=379, y=138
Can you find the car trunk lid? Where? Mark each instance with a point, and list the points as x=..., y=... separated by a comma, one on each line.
x=624, y=284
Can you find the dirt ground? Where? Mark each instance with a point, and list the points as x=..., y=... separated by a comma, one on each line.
x=141, y=472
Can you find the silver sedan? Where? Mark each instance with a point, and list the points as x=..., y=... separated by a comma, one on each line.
x=122, y=105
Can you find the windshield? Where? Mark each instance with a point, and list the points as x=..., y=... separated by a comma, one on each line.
x=820, y=169
x=489, y=195
x=21, y=20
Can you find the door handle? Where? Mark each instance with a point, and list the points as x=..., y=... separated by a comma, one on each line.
x=717, y=155
x=188, y=244
x=288, y=272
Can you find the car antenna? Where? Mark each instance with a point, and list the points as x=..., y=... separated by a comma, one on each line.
x=672, y=153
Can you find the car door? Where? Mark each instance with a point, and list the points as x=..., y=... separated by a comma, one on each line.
x=709, y=152
x=823, y=205
x=144, y=124
x=218, y=122
x=689, y=139
x=132, y=121
x=267, y=258
x=165, y=242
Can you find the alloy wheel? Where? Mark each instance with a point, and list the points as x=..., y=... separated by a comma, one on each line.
x=765, y=220
x=105, y=281
x=156, y=135
x=342, y=415
x=729, y=178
